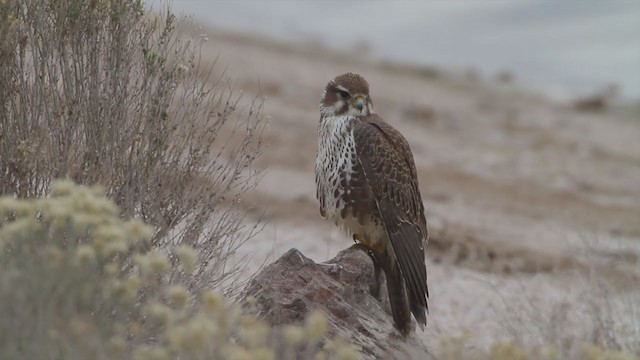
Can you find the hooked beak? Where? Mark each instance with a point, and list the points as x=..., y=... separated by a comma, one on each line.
x=359, y=103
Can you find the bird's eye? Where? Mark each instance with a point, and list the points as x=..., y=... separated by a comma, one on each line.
x=343, y=94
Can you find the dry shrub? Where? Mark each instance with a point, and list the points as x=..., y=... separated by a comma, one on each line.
x=63, y=296
x=100, y=92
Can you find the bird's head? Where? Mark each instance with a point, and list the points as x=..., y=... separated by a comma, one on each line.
x=347, y=94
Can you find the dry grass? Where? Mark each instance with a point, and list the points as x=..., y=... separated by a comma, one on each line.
x=101, y=93
x=600, y=308
x=597, y=317
x=453, y=348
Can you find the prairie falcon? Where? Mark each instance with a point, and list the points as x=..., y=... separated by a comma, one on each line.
x=367, y=184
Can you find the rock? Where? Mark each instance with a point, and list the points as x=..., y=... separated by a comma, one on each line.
x=346, y=290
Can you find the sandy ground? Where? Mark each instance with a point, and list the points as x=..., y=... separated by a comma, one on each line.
x=533, y=207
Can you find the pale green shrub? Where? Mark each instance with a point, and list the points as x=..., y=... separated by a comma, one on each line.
x=67, y=292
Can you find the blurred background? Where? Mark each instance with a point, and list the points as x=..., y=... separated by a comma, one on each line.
x=524, y=120
x=564, y=48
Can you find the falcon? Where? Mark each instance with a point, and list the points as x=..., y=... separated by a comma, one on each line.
x=367, y=184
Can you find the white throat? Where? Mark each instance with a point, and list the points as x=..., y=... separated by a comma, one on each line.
x=327, y=111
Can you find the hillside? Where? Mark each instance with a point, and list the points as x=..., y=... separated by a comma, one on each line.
x=533, y=205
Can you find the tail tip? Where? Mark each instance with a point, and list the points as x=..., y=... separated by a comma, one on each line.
x=422, y=321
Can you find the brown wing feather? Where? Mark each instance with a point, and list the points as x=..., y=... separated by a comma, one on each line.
x=390, y=171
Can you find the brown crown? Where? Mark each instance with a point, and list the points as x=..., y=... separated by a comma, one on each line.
x=355, y=83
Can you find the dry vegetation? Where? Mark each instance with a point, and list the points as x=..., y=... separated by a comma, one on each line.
x=454, y=349
x=65, y=293
x=99, y=92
